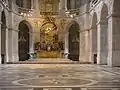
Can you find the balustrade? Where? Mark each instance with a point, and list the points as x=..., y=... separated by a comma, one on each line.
x=93, y=3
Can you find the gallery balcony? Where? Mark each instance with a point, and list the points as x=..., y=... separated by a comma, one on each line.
x=25, y=12
x=93, y=3
x=44, y=13
x=72, y=12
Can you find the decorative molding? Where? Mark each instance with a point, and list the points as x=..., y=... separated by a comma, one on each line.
x=13, y=29
x=92, y=8
x=85, y=30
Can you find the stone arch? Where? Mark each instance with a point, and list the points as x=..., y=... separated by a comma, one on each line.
x=68, y=24
x=25, y=44
x=73, y=40
x=3, y=37
x=103, y=39
x=94, y=39
x=27, y=23
x=94, y=20
x=104, y=12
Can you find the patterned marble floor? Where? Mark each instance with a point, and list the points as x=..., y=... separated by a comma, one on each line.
x=59, y=77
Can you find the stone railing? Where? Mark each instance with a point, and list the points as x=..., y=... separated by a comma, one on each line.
x=93, y=3
x=72, y=12
x=4, y=3
x=25, y=11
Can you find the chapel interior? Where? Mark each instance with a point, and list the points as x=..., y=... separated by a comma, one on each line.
x=59, y=45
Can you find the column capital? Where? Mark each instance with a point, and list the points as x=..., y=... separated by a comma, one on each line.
x=85, y=30
x=12, y=29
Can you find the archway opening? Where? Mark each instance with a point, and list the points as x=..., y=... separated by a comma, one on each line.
x=94, y=39
x=3, y=37
x=24, y=40
x=114, y=35
x=104, y=35
x=73, y=40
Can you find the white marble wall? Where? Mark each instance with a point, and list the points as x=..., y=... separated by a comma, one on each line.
x=66, y=51
x=0, y=40
x=102, y=43
x=62, y=8
x=108, y=46
x=114, y=43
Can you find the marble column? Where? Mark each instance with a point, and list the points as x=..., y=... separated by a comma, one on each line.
x=72, y=4
x=82, y=46
x=15, y=41
x=4, y=48
x=31, y=46
x=114, y=40
x=86, y=46
x=90, y=45
x=32, y=4
x=0, y=41
x=7, y=45
x=65, y=4
x=37, y=7
x=102, y=42
x=62, y=4
x=66, y=44
x=0, y=34
x=10, y=44
x=25, y=3
x=62, y=8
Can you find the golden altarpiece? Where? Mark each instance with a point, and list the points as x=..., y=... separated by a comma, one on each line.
x=49, y=45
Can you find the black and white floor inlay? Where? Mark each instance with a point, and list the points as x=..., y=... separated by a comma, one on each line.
x=59, y=77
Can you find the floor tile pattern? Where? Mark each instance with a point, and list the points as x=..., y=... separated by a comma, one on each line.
x=59, y=77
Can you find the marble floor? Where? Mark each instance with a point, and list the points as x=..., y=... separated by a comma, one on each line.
x=59, y=77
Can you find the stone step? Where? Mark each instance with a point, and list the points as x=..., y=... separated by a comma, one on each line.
x=46, y=61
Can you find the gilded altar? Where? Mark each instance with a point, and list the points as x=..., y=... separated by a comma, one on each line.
x=49, y=44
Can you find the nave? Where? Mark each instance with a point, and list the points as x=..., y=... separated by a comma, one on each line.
x=59, y=77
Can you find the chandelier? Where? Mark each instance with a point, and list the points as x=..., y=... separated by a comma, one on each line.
x=22, y=38
x=75, y=39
